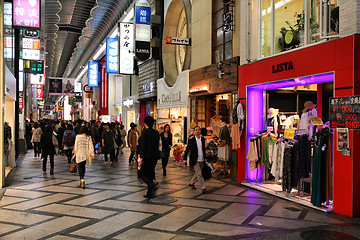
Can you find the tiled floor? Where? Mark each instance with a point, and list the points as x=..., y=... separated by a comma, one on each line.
x=41, y=206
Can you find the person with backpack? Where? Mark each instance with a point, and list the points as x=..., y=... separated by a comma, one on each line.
x=69, y=141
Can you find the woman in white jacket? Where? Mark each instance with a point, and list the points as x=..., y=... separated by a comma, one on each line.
x=84, y=152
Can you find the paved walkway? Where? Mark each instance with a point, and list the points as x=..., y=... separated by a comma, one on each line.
x=41, y=206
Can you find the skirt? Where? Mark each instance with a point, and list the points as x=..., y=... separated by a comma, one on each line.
x=224, y=153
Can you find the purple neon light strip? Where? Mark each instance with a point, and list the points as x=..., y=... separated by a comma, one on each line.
x=254, y=109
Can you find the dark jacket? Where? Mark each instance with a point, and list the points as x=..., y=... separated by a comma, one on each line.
x=166, y=142
x=108, y=137
x=60, y=135
x=46, y=144
x=192, y=148
x=149, y=150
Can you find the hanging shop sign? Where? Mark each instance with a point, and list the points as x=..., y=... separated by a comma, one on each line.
x=7, y=14
x=61, y=86
x=39, y=92
x=345, y=112
x=228, y=16
x=94, y=73
x=26, y=13
x=176, y=95
x=78, y=87
x=31, y=43
x=31, y=54
x=112, y=55
x=126, y=59
x=128, y=102
x=148, y=87
x=87, y=89
x=178, y=41
x=21, y=102
x=31, y=33
x=78, y=97
x=34, y=67
x=143, y=30
x=37, y=79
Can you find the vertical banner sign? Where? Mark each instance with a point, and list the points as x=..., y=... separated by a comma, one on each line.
x=93, y=75
x=21, y=102
x=112, y=55
x=104, y=92
x=126, y=60
x=39, y=92
x=143, y=30
x=26, y=13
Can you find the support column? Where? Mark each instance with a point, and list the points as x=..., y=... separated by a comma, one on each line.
x=2, y=96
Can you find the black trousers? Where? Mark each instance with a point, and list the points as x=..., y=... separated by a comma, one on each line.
x=132, y=154
x=81, y=169
x=51, y=156
x=147, y=174
x=112, y=155
x=68, y=153
x=37, y=149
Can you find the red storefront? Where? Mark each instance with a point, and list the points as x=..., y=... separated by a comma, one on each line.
x=336, y=61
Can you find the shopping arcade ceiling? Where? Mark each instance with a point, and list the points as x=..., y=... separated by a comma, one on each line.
x=74, y=29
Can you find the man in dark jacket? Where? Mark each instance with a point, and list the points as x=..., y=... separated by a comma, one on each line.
x=196, y=147
x=149, y=154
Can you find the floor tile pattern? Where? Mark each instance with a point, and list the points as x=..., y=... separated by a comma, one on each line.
x=38, y=205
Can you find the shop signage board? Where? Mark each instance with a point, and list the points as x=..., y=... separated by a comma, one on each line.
x=178, y=41
x=78, y=87
x=176, y=95
x=126, y=59
x=37, y=79
x=31, y=33
x=78, y=97
x=128, y=102
x=31, y=43
x=39, y=92
x=34, y=67
x=26, y=13
x=112, y=55
x=345, y=112
x=94, y=74
x=21, y=102
x=31, y=54
x=87, y=89
x=143, y=30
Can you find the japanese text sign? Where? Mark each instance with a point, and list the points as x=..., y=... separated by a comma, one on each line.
x=93, y=75
x=112, y=55
x=31, y=43
x=26, y=13
x=126, y=61
x=345, y=112
x=21, y=102
x=143, y=15
x=39, y=92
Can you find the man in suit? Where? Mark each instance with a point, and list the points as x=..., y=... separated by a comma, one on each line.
x=196, y=147
x=149, y=155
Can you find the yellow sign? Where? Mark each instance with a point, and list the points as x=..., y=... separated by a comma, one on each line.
x=289, y=133
x=289, y=37
x=88, y=95
x=316, y=121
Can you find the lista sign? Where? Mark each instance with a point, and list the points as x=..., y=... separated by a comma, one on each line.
x=112, y=56
x=178, y=41
x=286, y=66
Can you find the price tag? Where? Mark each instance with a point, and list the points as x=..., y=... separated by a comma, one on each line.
x=316, y=121
x=289, y=133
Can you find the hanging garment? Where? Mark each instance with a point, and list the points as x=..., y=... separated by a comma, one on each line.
x=215, y=125
x=241, y=116
x=306, y=124
x=253, y=156
x=286, y=184
x=277, y=160
x=268, y=143
x=235, y=136
x=329, y=187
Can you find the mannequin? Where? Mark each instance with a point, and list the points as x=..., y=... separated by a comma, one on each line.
x=305, y=122
x=272, y=122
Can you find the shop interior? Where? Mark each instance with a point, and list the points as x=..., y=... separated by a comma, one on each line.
x=284, y=142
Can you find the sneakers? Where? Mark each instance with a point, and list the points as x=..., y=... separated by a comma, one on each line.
x=192, y=186
x=82, y=183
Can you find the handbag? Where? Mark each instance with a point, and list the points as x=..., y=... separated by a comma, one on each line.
x=222, y=143
x=55, y=141
x=206, y=172
x=73, y=168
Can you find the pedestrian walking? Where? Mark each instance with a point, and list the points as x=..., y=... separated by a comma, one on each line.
x=69, y=141
x=118, y=140
x=123, y=137
x=166, y=141
x=196, y=147
x=48, y=148
x=94, y=133
x=35, y=139
x=149, y=155
x=83, y=153
x=133, y=141
x=108, y=144
x=60, y=136
x=28, y=135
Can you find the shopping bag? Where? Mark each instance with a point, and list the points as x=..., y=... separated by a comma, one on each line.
x=206, y=172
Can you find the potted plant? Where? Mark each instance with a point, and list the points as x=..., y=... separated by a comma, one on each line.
x=177, y=151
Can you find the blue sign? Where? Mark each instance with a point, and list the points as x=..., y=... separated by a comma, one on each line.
x=112, y=55
x=143, y=15
x=93, y=74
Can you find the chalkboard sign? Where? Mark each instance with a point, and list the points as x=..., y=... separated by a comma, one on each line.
x=345, y=112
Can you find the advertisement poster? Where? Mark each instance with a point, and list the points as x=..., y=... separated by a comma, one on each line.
x=342, y=139
x=62, y=86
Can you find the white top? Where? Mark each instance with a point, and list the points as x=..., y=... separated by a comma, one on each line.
x=199, y=148
x=83, y=148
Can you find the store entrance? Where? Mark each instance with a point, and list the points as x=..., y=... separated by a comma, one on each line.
x=287, y=155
